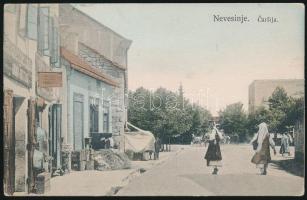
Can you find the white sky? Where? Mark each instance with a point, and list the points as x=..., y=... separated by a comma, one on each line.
x=175, y=43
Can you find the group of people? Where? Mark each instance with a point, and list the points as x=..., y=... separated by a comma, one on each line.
x=261, y=142
x=157, y=148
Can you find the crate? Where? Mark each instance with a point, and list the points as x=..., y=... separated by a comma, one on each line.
x=42, y=183
x=78, y=166
x=89, y=165
x=77, y=156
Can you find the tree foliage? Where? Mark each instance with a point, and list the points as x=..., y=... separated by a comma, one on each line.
x=166, y=113
x=233, y=120
x=283, y=112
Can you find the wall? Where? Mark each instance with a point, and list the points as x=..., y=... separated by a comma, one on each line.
x=117, y=74
x=21, y=51
x=261, y=90
x=83, y=84
x=299, y=140
x=97, y=36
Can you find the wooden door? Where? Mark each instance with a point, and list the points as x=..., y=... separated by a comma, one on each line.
x=78, y=122
x=31, y=143
x=55, y=134
x=9, y=143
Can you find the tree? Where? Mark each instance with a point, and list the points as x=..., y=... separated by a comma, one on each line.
x=254, y=119
x=166, y=114
x=234, y=121
x=283, y=112
x=279, y=106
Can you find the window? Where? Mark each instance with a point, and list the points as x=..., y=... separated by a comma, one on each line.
x=55, y=47
x=31, y=28
x=43, y=31
x=22, y=13
x=10, y=8
x=94, y=117
x=106, y=116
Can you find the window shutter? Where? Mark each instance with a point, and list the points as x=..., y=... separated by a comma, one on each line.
x=55, y=56
x=22, y=14
x=43, y=31
x=50, y=36
x=32, y=22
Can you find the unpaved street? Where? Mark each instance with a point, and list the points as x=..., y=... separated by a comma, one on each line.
x=185, y=173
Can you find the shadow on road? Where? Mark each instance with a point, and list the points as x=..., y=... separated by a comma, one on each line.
x=248, y=184
x=291, y=166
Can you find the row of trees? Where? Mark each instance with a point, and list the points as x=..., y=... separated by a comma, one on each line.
x=283, y=112
x=167, y=114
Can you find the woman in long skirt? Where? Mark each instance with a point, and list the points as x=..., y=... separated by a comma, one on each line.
x=213, y=154
x=285, y=143
x=262, y=156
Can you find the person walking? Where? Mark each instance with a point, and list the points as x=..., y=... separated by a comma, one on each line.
x=286, y=139
x=213, y=154
x=157, y=148
x=261, y=144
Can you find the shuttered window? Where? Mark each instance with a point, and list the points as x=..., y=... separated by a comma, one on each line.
x=54, y=45
x=50, y=35
x=43, y=31
x=94, y=117
x=22, y=20
x=106, y=116
x=31, y=28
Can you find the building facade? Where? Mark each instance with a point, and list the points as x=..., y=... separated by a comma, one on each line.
x=65, y=78
x=31, y=54
x=260, y=90
x=101, y=99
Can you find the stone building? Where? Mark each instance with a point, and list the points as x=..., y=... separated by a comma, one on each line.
x=260, y=90
x=31, y=58
x=95, y=59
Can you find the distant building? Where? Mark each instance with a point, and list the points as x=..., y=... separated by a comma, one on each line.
x=260, y=90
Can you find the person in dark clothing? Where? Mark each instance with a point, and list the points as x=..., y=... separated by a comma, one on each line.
x=213, y=154
x=157, y=148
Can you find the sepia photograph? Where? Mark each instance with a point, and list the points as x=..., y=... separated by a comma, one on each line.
x=153, y=99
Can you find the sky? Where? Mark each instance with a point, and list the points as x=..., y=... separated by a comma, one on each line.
x=214, y=61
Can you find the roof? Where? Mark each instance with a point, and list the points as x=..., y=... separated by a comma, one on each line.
x=277, y=80
x=83, y=67
x=95, y=51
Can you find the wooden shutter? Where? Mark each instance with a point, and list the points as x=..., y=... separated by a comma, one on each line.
x=32, y=22
x=43, y=30
x=8, y=140
x=31, y=143
x=22, y=13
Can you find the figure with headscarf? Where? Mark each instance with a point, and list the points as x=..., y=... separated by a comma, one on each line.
x=213, y=154
x=286, y=139
x=262, y=155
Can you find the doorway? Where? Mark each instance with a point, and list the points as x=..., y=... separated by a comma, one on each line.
x=55, y=120
x=78, y=121
x=9, y=142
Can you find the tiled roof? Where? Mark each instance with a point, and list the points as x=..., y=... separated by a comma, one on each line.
x=83, y=67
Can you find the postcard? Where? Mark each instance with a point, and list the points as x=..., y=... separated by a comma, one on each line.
x=159, y=99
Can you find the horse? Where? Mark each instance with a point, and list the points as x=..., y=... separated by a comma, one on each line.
x=198, y=140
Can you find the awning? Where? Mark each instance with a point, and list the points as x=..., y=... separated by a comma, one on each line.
x=83, y=67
